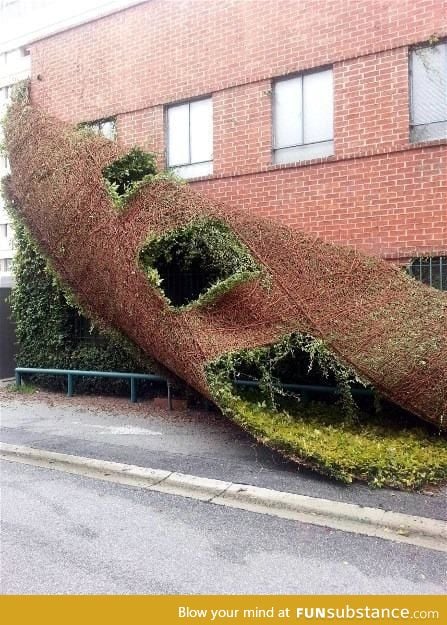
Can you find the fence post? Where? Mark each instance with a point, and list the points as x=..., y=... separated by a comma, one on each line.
x=169, y=396
x=18, y=379
x=133, y=390
x=69, y=385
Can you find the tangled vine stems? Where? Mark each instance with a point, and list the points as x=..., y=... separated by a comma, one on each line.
x=295, y=354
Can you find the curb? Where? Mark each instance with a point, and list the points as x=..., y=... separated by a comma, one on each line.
x=375, y=522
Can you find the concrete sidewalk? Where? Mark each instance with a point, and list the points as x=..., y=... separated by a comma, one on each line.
x=204, y=444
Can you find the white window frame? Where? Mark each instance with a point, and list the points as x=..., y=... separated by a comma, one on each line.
x=434, y=129
x=190, y=168
x=303, y=150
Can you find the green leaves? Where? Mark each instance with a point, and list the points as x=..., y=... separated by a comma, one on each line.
x=43, y=313
x=197, y=263
x=334, y=439
x=123, y=173
x=126, y=175
x=375, y=452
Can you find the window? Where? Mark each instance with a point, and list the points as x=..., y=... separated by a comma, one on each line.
x=303, y=117
x=4, y=164
x=5, y=265
x=3, y=230
x=428, y=93
x=431, y=270
x=104, y=127
x=5, y=93
x=190, y=138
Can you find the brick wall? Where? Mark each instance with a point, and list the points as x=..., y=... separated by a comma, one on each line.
x=378, y=192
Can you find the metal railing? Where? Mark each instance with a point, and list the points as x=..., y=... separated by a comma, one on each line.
x=303, y=389
x=306, y=389
x=431, y=270
x=73, y=373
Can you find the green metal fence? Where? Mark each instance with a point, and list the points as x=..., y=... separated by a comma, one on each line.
x=431, y=270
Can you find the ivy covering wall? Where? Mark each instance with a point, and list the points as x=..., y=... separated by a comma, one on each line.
x=45, y=326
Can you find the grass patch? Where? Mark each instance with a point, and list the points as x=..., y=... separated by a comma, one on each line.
x=24, y=389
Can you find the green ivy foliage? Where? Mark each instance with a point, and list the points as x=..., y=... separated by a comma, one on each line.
x=123, y=173
x=338, y=440
x=44, y=315
x=295, y=358
x=204, y=248
x=125, y=176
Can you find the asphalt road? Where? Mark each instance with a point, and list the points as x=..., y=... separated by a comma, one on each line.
x=203, y=444
x=66, y=534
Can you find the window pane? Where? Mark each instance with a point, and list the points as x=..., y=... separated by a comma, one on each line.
x=178, y=135
x=428, y=132
x=201, y=120
x=12, y=56
x=318, y=107
x=107, y=129
x=288, y=113
x=429, y=84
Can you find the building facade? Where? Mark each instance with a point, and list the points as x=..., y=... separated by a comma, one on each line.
x=328, y=115
x=14, y=67
x=22, y=21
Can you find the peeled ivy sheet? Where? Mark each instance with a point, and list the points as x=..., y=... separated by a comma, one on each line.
x=115, y=245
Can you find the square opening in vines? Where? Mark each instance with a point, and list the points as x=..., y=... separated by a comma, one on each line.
x=197, y=262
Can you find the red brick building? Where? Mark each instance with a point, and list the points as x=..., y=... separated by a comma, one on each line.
x=330, y=115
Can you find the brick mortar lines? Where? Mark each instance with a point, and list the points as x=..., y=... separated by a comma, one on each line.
x=267, y=77
x=367, y=154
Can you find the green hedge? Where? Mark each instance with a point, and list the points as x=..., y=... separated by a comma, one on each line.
x=45, y=330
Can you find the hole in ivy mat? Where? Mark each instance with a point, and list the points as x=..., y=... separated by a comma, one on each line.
x=197, y=262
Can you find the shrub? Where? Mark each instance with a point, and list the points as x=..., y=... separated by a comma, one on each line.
x=338, y=440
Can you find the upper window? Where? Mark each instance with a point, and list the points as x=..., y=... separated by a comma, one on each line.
x=4, y=230
x=428, y=93
x=4, y=165
x=104, y=127
x=303, y=118
x=190, y=138
x=5, y=94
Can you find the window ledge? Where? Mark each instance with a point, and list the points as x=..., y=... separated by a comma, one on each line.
x=369, y=153
x=426, y=143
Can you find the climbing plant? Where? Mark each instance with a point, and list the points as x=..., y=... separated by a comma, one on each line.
x=44, y=316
